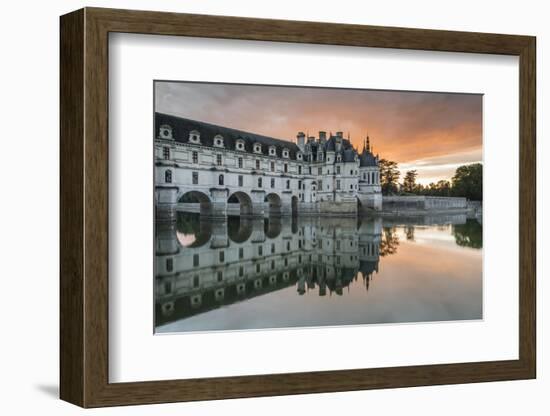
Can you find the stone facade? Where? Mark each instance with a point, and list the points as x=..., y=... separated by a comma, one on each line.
x=218, y=167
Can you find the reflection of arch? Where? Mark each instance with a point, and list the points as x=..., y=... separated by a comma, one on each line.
x=239, y=229
x=191, y=231
x=294, y=205
x=245, y=202
x=272, y=227
x=197, y=197
x=275, y=204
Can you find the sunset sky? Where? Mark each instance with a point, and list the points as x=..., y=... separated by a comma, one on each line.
x=433, y=133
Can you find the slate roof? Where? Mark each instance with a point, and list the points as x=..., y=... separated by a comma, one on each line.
x=182, y=126
x=367, y=159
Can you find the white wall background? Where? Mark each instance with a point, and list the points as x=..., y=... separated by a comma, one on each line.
x=29, y=210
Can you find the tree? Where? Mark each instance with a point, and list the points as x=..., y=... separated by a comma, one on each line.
x=389, y=175
x=409, y=181
x=468, y=182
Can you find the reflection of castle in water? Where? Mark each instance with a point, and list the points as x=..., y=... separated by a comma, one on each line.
x=229, y=261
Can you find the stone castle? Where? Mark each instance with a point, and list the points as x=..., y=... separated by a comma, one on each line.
x=220, y=171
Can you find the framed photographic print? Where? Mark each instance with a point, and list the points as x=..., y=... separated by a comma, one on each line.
x=255, y=207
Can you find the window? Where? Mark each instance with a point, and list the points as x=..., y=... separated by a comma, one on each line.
x=288, y=246
x=219, y=160
x=222, y=256
x=338, y=170
x=257, y=164
x=220, y=180
x=338, y=184
x=169, y=265
x=286, y=167
x=257, y=148
x=299, y=169
x=240, y=145
x=241, y=271
x=272, y=248
x=260, y=251
x=288, y=184
x=240, y=180
x=272, y=264
x=166, y=152
x=272, y=151
x=299, y=184
x=168, y=176
x=286, y=262
x=320, y=185
x=273, y=182
x=258, y=268
x=240, y=163
x=241, y=252
x=259, y=182
x=196, y=281
x=194, y=136
x=285, y=153
x=272, y=166
x=351, y=186
x=195, y=178
x=309, y=170
x=195, y=157
x=195, y=260
x=351, y=172
x=220, y=276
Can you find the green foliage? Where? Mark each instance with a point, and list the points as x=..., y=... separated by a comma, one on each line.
x=389, y=176
x=468, y=182
x=409, y=181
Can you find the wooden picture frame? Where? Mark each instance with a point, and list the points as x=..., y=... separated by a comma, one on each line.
x=84, y=207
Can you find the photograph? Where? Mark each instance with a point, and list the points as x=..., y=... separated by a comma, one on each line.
x=302, y=207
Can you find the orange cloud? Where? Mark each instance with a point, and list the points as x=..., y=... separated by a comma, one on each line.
x=436, y=131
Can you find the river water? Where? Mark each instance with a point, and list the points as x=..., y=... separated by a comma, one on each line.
x=306, y=272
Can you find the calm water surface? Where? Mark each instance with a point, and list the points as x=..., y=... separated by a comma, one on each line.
x=303, y=272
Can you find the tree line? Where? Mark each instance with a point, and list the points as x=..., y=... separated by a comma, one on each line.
x=467, y=182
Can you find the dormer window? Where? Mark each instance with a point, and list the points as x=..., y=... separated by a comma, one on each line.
x=218, y=140
x=339, y=158
x=257, y=148
x=285, y=153
x=299, y=155
x=194, y=136
x=165, y=132
x=272, y=151
x=240, y=145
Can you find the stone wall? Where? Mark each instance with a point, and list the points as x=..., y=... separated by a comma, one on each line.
x=423, y=203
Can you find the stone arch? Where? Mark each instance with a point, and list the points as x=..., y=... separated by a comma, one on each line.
x=187, y=199
x=244, y=201
x=274, y=204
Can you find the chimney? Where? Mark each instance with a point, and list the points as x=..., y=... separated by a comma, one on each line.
x=322, y=137
x=310, y=139
x=340, y=134
x=300, y=140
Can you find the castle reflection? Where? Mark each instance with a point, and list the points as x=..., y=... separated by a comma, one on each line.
x=204, y=265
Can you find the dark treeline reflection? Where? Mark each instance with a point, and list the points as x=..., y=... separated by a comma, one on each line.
x=469, y=234
x=204, y=265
